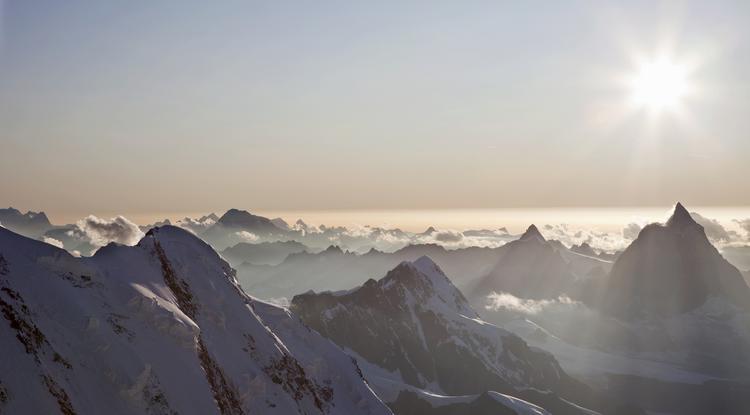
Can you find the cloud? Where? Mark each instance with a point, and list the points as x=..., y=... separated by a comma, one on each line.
x=247, y=236
x=100, y=231
x=631, y=231
x=714, y=230
x=603, y=241
x=197, y=225
x=505, y=301
x=487, y=233
x=448, y=236
x=53, y=242
x=744, y=224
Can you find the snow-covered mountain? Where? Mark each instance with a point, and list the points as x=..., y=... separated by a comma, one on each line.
x=670, y=269
x=414, y=331
x=158, y=328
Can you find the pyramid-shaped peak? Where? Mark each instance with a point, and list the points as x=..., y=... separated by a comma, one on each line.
x=532, y=233
x=680, y=217
x=427, y=283
x=427, y=266
x=423, y=268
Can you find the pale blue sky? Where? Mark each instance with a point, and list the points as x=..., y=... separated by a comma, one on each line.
x=142, y=106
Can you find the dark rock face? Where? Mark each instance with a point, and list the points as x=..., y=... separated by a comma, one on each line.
x=671, y=269
x=415, y=322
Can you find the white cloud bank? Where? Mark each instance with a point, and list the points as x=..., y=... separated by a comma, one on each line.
x=505, y=301
x=246, y=236
x=53, y=242
x=100, y=231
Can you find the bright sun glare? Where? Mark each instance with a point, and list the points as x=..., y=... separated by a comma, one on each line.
x=659, y=85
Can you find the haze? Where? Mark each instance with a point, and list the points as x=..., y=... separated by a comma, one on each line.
x=140, y=108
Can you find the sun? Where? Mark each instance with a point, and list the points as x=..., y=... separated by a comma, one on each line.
x=659, y=85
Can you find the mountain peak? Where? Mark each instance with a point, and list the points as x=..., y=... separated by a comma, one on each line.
x=234, y=215
x=532, y=233
x=428, y=285
x=680, y=217
x=408, y=272
x=429, y=231
x=333, y=249
x=671, y=269
x=426, y=265
x=242, y=219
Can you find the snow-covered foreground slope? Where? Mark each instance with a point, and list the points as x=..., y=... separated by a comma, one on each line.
x=158, y=328
x=414, y=331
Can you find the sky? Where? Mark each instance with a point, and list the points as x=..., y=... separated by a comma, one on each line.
x=176, y=106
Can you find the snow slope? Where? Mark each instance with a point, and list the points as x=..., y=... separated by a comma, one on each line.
x=158, y=328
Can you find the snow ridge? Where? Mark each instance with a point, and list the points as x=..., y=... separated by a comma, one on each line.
x=158, y=328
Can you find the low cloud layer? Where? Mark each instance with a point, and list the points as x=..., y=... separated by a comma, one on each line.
x=448, y=236
x=246, y=236
x=509, y=302
x=603, y=241
x=631, y=231
x=744, y=224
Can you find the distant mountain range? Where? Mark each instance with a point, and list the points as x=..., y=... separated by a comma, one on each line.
x=165, y=326
x=335, y=269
